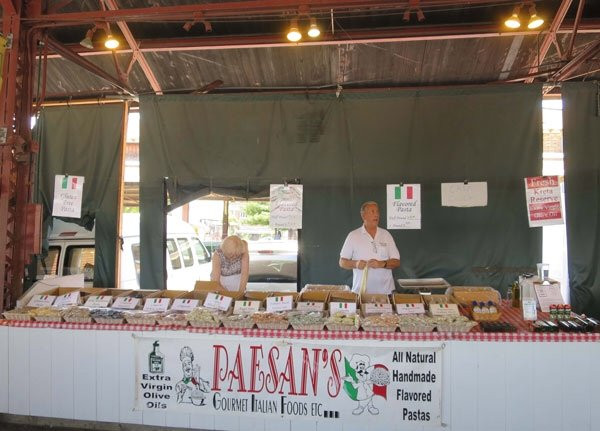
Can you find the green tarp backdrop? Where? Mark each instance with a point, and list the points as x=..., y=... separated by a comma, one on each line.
x=85, y=140
x=344, y=151
x=581, y=131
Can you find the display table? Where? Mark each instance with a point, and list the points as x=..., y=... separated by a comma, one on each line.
x=509, y=381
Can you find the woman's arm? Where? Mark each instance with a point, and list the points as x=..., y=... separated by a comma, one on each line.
x=215, y=274
x=245, y=271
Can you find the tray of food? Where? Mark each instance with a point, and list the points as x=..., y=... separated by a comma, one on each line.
x=343, y=322
x=465, y=295
x=107, y=315
x=485, y=312
x=265, y=320
x=20, y=313
x=46, y=314
x=380, y=323
x=77, y=314
x=205, y=318
x=453, y=323
x=239, y=321
x=309, y=321
x=172, y=318
x=416, y=323
x=423, y=283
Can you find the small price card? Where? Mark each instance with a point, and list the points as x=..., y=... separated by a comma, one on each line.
x=246, y=307
x=372, y=308
x=96, y=301
x=279, y=303
x=547, y=295
x=444, y=310
x=184, y=304
x=529, y=309
x=217, y=301
x=310, y=306
x=157, y=304
x=413, y=308
x=71, y=298
x=342, y=307
x=126, y=303
x=41, y=301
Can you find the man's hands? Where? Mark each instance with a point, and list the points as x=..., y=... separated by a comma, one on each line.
x=372, y=263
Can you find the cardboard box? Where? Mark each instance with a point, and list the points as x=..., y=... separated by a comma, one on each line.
x=374, y=303
x=313, y=300
x=343, y=297
x=406, y=298
x=256, y=296
x=209, y=286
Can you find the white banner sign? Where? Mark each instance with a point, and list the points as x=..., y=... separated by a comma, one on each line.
x=314, y=380
x=286, y=206
x=464, y=195
x=544, y=206
x=68, y=195
x=404, y=206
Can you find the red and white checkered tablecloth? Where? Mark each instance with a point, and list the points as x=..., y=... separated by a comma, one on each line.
x=511, y=315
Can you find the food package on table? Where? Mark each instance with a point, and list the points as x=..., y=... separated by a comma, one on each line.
x=76, y=314
x=172, y=318
x=46, y=314
x=453, y=324
x=241, y=321
x=201, y=317
x=416, y=323
x=107, y=315
x=343, y=322
x=380, y=322
x=20, y=313
x=312, y=320
x=265, y=320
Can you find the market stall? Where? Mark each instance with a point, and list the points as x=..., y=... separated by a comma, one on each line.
x=213, y=377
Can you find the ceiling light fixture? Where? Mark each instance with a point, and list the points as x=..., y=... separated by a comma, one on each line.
x=86, y=42
x=111, y=42
x=294, y=34
x=314, y=31
x=535, y=21
x=513, y=21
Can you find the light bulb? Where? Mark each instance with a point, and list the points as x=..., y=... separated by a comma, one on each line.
x=513, y=21
x=111, y=42
x=535, y=22
x=314, y=31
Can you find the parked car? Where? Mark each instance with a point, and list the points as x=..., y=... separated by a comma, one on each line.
x=273, y=265
x=72, y=250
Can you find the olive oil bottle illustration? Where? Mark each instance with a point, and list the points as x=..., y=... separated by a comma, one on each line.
x=156, y=360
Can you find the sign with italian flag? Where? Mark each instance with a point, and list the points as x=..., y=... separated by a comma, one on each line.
x=68, y=195
x=544, y=205
x=404, y=206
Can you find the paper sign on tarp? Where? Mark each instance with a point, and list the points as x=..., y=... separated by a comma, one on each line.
x=544, y=204
x=404, y=206
x=465, y=194
x=68, y=196
x=395, y=386
x=286, y=206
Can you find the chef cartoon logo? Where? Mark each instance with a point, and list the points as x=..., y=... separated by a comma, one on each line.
x=192, y=388
x=363, y=381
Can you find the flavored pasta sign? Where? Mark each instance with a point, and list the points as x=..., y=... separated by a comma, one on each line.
x=290, y=379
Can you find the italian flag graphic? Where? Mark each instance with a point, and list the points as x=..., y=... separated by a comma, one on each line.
x=69, y=183
x=403, y=192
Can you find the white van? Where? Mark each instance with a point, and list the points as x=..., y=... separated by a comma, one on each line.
x=71, y=251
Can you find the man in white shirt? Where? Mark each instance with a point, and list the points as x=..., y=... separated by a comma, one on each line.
x=373, y=247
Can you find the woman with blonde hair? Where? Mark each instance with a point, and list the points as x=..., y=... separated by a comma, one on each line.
x=230, y=264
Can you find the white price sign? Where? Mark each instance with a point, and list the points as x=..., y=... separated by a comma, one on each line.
x=310, y=306
x=71, y=298
x=372, y=308
x=96, y=301
x=217, y=301
x=342, y=307
x=41, y=301
x=413, y=308
x=280, y=303
x=246, y=307
x=126, y=303
x=157, y=304
x=184, y=304
x=444, y=310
